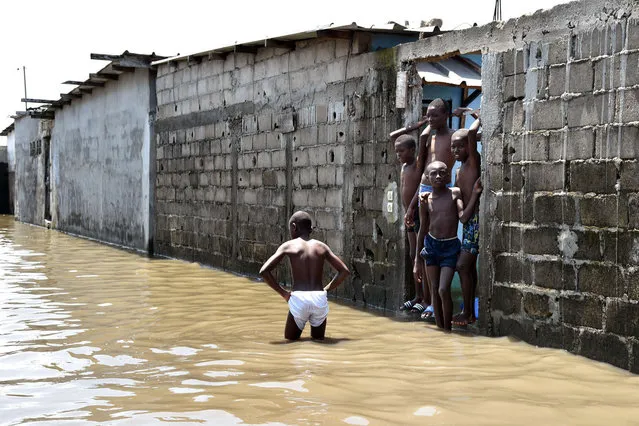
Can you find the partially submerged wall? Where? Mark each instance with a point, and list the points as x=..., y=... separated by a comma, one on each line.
x=564, y=197
x=559, y=245
x=29, y=170
x=243, y=142
x=101, y=155
x=11, y=159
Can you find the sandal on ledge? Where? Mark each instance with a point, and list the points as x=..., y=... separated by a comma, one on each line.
x=429, y=313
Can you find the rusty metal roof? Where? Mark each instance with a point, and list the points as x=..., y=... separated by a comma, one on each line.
x=288, y=41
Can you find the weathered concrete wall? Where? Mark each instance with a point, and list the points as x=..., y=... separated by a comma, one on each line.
x=11, y=158
x=559, y=218
x=101, y=157
x=243, y=142
x=563, y=247
x=29, y=171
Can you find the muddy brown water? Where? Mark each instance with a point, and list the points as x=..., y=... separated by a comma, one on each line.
x=91, y=334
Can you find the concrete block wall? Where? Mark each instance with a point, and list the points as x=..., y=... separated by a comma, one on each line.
x=561, y=199
x=245, y=141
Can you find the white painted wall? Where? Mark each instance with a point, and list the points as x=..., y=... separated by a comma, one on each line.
x=100, y=154
x=27, y=173
x=11, y=151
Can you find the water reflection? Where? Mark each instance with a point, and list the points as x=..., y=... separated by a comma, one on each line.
x=95, y=335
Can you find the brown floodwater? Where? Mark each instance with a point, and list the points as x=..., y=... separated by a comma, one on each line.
x=94, y=334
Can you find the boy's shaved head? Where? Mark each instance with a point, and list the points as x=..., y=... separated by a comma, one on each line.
x=436, y=164
x=438, y=104
x=461, y=134
x=302, y=220
x=407, y=141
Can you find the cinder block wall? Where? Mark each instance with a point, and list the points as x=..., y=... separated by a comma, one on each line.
x=562, y=191
x=245, y=141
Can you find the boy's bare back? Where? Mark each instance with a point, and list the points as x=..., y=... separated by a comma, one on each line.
x=307, y=259
x=307, y=301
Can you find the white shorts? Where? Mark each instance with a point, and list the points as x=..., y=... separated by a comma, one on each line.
x=311, y=306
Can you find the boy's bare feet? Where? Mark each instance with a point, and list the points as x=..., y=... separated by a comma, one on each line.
x=462, y=319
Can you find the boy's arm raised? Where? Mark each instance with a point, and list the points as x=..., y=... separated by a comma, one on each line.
x=339, y=266
x=424, y=141
x=472, y=130
x=397, y=133
x=472, y=135
x=269, y=265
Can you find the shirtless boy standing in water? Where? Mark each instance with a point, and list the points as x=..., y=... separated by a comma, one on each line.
x=442, y=209
x=307, y=301
x=464, y=148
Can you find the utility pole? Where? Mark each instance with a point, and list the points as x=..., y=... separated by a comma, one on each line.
x=497, y=12
x=24, y=76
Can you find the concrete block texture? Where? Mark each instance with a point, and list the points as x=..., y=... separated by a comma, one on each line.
x=589, y=110
x=601, y=279
x=580, y=76
x=557, y=80
x=513, y=62
x=270, y=134
x=593, y=176
x=561, y=194
x=604, y=347
x=544, y=115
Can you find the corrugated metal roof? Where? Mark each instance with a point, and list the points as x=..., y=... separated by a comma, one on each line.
x=453, y=71
x=323, y=31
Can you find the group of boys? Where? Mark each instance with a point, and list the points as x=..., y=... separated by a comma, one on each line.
x=433, y=210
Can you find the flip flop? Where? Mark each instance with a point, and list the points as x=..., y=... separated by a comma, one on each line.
x=429, y=313
x=407, y=306
x=418, y=307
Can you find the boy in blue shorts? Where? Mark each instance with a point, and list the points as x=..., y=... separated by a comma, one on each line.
x=464, y=148
x=441, y=209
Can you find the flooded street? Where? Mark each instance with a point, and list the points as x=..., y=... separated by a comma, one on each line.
x=93, y=334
